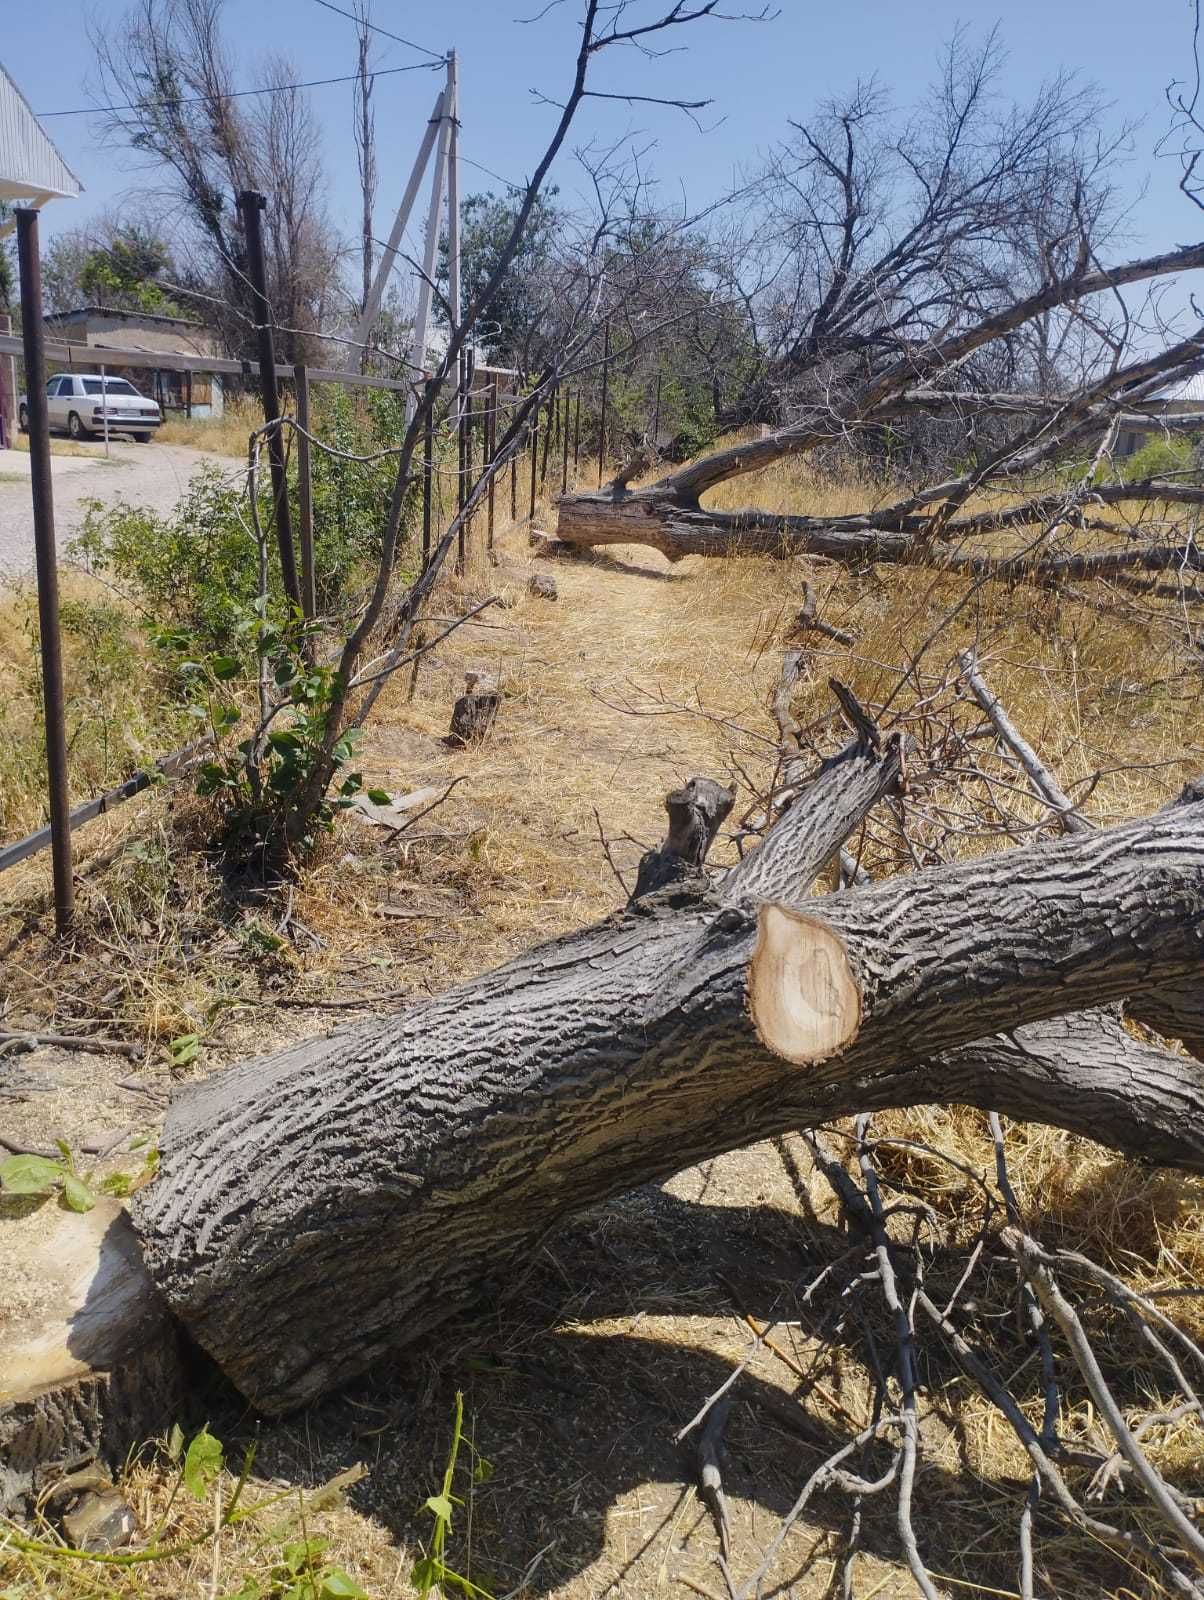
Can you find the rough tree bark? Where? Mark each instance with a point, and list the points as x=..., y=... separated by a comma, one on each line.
x=404, y=1167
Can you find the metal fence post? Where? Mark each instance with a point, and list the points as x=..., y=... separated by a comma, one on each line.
x=305, y=495
x=564, y=443
x=602, y=414
x=34, y=333
x=514, y=484
x=534, y=436
x=490, y=452
x=428, y=471
x=250, y=204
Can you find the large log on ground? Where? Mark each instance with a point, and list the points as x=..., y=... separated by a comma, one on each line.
x=669, y=519
x=318, y=1208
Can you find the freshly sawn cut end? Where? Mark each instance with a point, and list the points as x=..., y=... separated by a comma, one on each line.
x=804, y=997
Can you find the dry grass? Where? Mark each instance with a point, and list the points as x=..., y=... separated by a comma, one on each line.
x=58, y=447
x=225, y=435
x=639, y=676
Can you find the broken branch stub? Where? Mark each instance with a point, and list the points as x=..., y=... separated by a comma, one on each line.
x=696, y=813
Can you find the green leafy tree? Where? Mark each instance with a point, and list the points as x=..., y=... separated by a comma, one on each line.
x=123, y=273
x=486, y=222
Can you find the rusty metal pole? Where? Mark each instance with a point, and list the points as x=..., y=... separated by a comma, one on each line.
x=513, y=487
x=549, y=418
x=428, y=472
x=34, y=333
x=534, y=436
x=564, y=443
x=490, y=452
x=250, y=204
x=305, y=495
x=602, y=415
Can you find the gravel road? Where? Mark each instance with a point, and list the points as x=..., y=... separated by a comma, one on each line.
x=151, y=475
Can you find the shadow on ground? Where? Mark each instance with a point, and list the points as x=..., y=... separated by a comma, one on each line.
x=577, y=1384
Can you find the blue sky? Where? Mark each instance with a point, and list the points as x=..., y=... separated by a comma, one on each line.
x=758, y=76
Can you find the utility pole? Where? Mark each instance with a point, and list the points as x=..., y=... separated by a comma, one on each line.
x=453, y=192
x=33, y=330
x=422, y=318
x=251, y=204
x=400, y=223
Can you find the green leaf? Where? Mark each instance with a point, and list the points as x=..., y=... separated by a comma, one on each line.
x=426, y=1574
x=339, y=1585
x=224, y=667
x=76, y=1194
x=64, y=1149
x=439, y=1506
x=184, y=1049
x=380, y=797
x=117, y=1183
x=175, y=1442
x=483, y=1471
x=202, y=1464
x=30, y=1174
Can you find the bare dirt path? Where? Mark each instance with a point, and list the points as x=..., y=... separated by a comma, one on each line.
x=152, y=476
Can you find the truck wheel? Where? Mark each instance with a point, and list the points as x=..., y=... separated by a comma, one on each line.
x=74, y=426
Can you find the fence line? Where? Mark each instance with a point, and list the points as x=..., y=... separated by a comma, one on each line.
x=169, y=765
x=85, y=357
x=22, y=849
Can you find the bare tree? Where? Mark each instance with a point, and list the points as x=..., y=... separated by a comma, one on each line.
x=874, y=232
x=169, y=75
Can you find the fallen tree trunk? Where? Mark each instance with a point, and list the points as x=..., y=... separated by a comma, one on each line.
x=319, y=1208
x=677, y=527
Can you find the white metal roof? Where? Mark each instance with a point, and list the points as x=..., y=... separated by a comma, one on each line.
x=31, y=167
x=1185, y=389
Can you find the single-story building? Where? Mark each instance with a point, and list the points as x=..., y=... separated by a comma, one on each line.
x=196, y=394
x=1182, y=399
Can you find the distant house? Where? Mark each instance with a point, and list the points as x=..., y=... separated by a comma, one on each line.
x=1185, y=398
x=100, y=328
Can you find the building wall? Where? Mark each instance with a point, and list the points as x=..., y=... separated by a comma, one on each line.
x=98, y=331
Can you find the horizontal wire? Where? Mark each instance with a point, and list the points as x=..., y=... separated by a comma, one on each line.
x=235, y=94
x=374, y=27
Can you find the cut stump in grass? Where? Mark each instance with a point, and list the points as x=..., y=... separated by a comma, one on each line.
x=91, y=1360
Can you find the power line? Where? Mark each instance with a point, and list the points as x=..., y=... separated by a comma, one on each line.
x=375, y=28
x=235, y=94
x=519, y=188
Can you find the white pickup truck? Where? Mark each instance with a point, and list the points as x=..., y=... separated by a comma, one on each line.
x=77, y=401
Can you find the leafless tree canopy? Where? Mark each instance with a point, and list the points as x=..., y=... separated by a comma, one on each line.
x=169, y=69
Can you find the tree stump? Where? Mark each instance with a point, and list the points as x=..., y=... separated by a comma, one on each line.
x=475, y=712
x=91, y=1360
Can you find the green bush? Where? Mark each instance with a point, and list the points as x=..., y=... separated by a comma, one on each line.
x=192, y=572
x=1160, y=457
